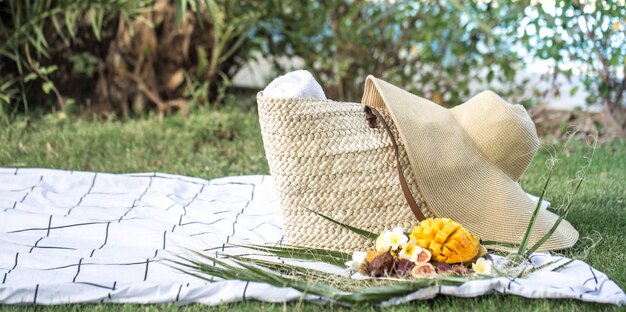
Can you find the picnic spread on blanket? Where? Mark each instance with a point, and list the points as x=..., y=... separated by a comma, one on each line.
x=396, y=194
x=70, y=237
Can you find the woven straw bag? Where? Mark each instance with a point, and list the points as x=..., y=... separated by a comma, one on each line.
x=325, y=157
x=364, y=165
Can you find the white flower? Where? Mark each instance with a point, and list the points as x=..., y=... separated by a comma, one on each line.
x=482, y=266
x=358, y=258
x=393, y=239
x=410, y=251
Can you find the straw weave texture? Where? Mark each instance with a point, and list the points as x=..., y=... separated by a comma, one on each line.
x=323, y=156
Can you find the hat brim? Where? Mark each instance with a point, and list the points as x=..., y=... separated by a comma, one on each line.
x=456, y=180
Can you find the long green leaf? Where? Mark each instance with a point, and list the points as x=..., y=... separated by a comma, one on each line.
x=329, y=252
x=284, y=268
x=35, y=44
x=560, y=266
x=41, y=38
x=181, y=9
x=545, y=237
x=503, y=244
x=561, y=217
x=253, y=273
x=555, y=225
x=303, y=285
x=58, y=29
x=547, y=264
x=327, y=256
x=234, y=47
x=70, y=22
x=533, y=218
x=94, y=19
x=367, y=234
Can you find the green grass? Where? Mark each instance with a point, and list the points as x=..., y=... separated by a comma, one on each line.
x=207, y=144
x=222, y=142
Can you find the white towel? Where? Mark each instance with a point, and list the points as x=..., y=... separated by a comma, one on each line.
x=296, y=84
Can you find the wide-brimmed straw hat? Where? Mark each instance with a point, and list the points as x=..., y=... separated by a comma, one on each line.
x=467, y=160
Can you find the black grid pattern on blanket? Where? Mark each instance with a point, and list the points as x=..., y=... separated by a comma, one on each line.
x=68, y=237
x=100, y=234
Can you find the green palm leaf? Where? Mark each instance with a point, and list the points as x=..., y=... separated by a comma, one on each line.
x=304, y=253
x=367, y=234
x=334, y=287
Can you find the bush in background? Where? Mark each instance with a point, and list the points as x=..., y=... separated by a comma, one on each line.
x=439, y=49
x=133, y=56
x=122, y=56
x=41, y=40
x=589, y=38
x=436, y=48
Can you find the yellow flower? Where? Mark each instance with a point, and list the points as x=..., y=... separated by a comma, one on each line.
x=482, y=266
x=358, y=258
x=410, y=251
x=393, y=239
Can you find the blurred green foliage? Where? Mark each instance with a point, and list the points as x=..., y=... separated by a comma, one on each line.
x=121, y=56
x=24, y=41
x=587, y=38
x=434, y=47
x=438, y=49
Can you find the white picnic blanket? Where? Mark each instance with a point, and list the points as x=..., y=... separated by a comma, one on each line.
x=69, y=237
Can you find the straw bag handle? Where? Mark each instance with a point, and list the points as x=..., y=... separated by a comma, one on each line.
x=372, y=115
